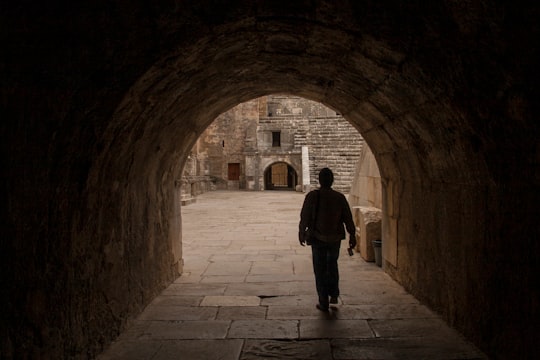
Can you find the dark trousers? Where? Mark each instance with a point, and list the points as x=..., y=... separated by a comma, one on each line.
x=325, y=267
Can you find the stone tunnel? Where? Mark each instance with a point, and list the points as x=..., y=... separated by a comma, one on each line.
x=102, y=101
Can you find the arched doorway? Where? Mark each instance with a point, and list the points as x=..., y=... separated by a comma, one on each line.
x=280, y=176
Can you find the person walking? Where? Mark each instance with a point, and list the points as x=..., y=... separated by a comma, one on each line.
x=322, y=217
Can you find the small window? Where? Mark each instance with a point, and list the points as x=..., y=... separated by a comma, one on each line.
x=276, y=138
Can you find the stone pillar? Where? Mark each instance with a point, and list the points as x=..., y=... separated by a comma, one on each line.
x=305, y=169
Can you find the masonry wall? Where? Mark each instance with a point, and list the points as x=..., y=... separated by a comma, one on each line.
x=244, y=135
x=336, y=144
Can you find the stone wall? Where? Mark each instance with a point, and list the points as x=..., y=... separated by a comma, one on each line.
x=244, y=135
x=365, y=199
x=336, y=144
x=366, y=188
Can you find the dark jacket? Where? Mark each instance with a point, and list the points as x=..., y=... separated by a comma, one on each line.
x=333, y=211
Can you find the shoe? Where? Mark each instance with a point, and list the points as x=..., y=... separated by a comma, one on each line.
x=333, y=300
x=322, y=308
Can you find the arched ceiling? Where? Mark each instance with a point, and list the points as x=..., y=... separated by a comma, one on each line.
x=404, y=115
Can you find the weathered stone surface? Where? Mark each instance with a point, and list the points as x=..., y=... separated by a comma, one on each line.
x=195, y=289
x=231, y=301
x=176, y=300
x=259, y=289
x=368, y=222
x=367, y=282
x=132, y=350
x=175, y=330
x=199, y=350
x=292, y=300
x=264, y=329
x=334, y=329
x=306, y=311
x=366, y=189
x=384, y=311
x=437, y=348
x=229, y=268
x=179, y=313
x=289, y=350
x=391, y=328
x=378, y=297
x=242, y=313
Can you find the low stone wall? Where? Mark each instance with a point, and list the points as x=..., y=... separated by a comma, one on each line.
x=191, y=186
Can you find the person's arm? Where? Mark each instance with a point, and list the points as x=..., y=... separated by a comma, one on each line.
x=305, y=217
x=349, y=223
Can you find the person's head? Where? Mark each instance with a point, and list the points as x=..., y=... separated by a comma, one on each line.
x=326, y=178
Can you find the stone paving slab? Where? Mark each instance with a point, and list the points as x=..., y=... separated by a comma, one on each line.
x=371, y=287
x=335, y=329
x=176, y=300
x=242, y=251
x=228, y=268
x=179, y=313
x=189, y=279
x=287, y=350
x=391, y=328
x=194, y=289
x=414, y=348
x=264, y=329
x=132, y=350
x=258, y=289
x=282, y=278
x=200, y=350
x=294, y=312
x=231, y=301
x=260, y=257
x=272, y=268
x=291, y=300
x=303, y=287
x=382, y=298
x=178, y=330
x=222, y=279
x=242, y=313
x=385, y=311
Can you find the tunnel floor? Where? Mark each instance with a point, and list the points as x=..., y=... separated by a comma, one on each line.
x=248, y=292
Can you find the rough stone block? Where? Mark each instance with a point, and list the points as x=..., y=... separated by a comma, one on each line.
x=368, y=222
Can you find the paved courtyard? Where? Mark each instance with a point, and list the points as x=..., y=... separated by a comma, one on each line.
x=248, y=292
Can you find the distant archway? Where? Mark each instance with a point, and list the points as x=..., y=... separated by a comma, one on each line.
x=280, y=176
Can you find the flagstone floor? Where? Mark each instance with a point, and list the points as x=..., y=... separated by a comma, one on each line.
x=248, y=292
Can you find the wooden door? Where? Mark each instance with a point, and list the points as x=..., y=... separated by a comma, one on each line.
x=234, y=171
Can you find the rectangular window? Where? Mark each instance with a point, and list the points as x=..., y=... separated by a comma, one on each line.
x=276, y=138
x=234, y=171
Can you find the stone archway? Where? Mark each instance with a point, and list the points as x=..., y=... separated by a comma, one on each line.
x=280, y=176
x=98, y=129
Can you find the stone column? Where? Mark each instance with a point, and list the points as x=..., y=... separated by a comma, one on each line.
x=305, y=169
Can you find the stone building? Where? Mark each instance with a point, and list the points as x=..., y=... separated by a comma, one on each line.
x=260, y=144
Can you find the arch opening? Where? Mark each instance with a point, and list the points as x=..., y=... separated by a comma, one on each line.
x=395, y=120
x=280, y=176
